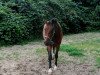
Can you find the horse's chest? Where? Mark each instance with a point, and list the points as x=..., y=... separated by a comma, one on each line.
x=57, y=39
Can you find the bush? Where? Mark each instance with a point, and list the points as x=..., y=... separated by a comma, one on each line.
x=16, y=27
x=74, y=22
x=88, y=3
x=13, y=30
x=23, y=19
x=92, y=26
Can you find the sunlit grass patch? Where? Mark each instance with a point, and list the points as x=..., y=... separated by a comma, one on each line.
x=97, y=40
x=72, y=51
x=97, y=57
x=98, y=62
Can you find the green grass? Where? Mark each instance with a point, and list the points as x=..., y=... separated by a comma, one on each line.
x=98, y=62
x=72, y=51
x=83, y=47
x=90, y=48
x=97, y=57
x=88, y=44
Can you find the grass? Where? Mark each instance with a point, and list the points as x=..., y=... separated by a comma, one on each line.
x=98, y=62
x=97, y=57
x=72, y=51
x=41, y=51
x=84, y=47
x=92, y=44
x=89, y=46
x=13, y=55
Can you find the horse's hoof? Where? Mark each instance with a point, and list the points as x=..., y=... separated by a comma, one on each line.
x=55, y=67
x=50, y=71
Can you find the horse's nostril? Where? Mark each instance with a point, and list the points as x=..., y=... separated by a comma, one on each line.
x=45, y=42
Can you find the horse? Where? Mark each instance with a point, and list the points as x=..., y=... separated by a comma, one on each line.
x=52, y=34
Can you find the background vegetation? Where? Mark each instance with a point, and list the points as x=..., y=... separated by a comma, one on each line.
x=22, y=20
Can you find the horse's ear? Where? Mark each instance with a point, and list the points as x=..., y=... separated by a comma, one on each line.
x=45, y=21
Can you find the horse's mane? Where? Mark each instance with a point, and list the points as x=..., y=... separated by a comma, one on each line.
x=56, y=27
x=53, y=21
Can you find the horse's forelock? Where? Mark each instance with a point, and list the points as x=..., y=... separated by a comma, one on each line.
x=47, y=22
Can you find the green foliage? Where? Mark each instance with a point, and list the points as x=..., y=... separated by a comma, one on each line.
x=13, y=30
x=88, y=3
x=74, y=22
x=97, y=11
x=24, y=19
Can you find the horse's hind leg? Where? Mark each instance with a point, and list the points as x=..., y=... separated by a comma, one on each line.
x=56, y=57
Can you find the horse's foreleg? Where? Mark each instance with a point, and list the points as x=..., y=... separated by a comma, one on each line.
x=56, y=57
x=49, y=59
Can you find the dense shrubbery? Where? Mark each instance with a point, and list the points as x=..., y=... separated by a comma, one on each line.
x=13, y=29
x=23, y=19
x=88, y=3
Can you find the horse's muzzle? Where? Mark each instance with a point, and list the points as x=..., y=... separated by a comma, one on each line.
x=47, y=43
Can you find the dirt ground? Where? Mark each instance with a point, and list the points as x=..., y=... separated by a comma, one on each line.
x=28, y=61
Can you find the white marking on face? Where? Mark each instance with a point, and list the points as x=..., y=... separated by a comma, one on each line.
x=46, y=31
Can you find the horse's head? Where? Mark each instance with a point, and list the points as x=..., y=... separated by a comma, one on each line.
x=48, y=33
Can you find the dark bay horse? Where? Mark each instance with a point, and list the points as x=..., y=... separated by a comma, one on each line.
x=52, y=34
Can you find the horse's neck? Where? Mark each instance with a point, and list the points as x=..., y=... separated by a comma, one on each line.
x=57, y=30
